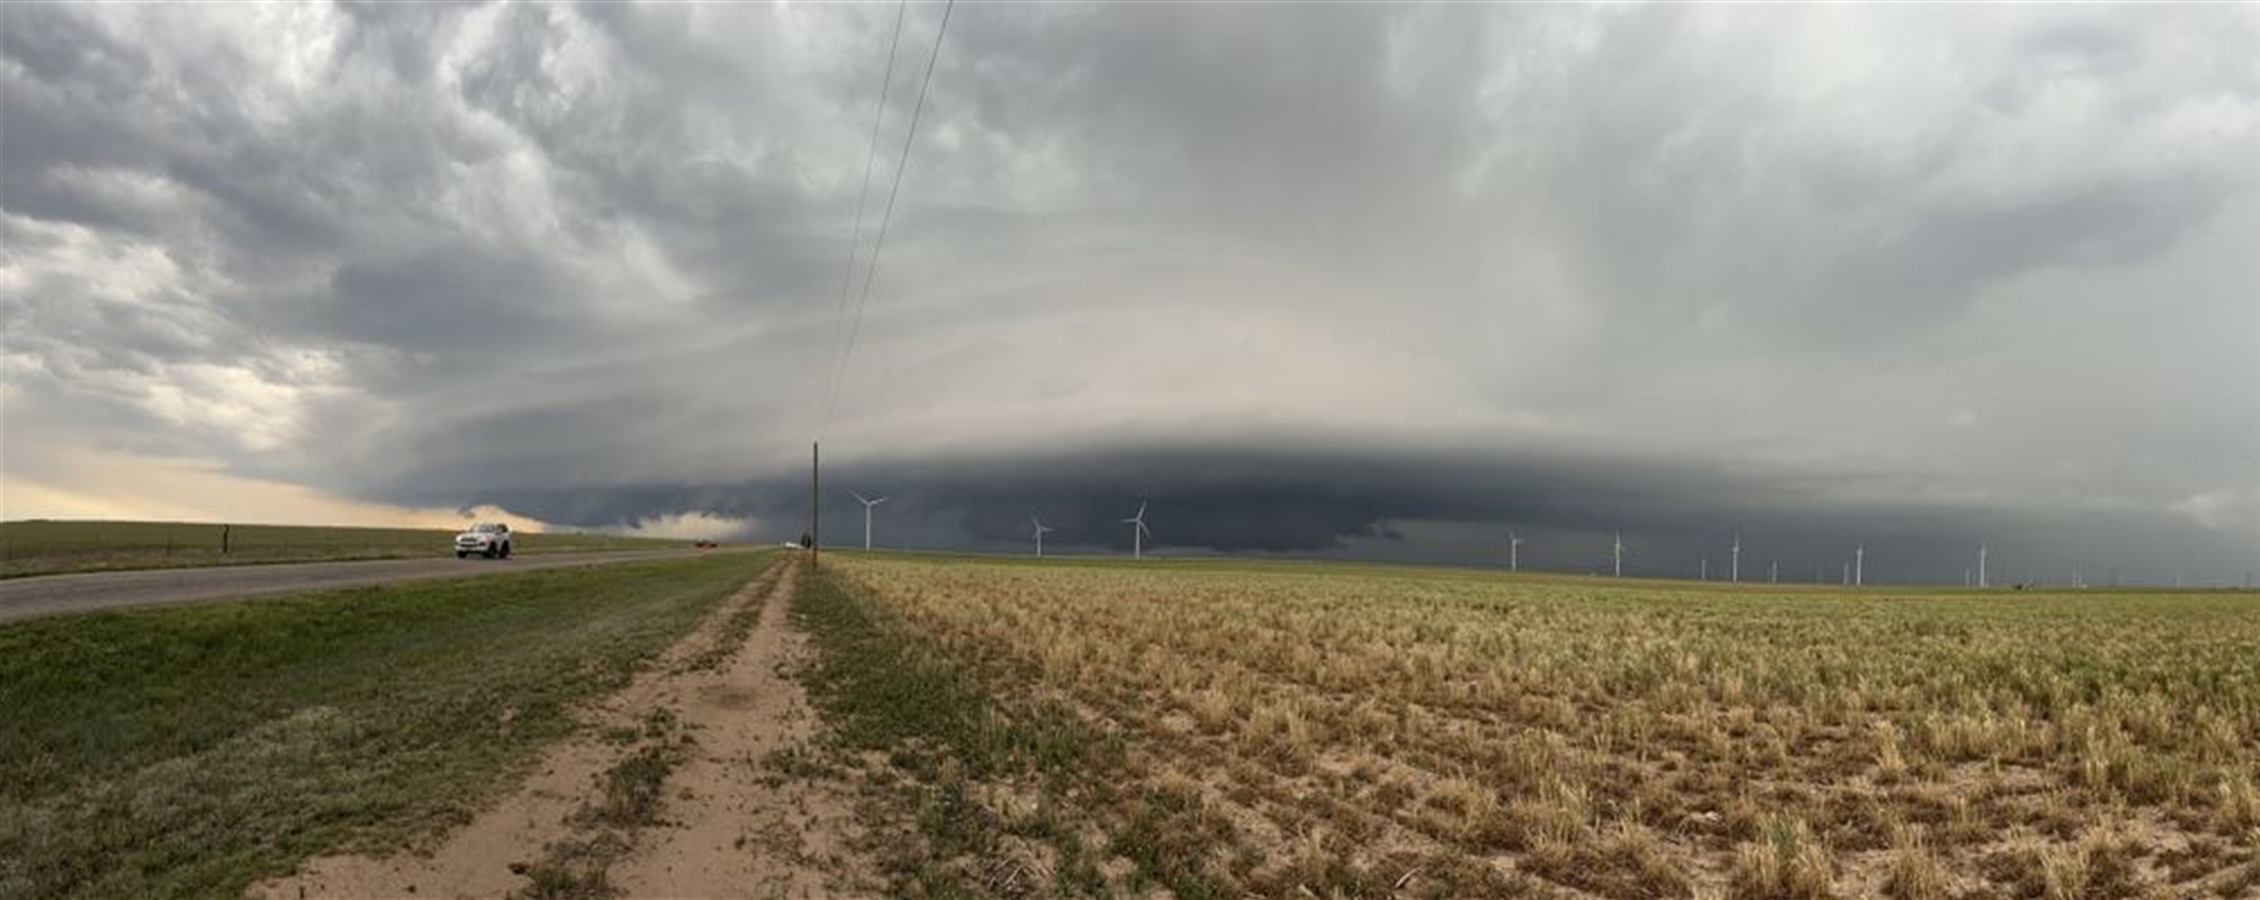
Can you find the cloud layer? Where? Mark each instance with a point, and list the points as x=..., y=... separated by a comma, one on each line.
x=1351, y=279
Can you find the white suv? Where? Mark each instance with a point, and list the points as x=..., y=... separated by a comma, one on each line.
x=488, y=539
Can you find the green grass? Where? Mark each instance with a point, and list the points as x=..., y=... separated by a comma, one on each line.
x=189, y=751
x=52, y=547
x=886, y=687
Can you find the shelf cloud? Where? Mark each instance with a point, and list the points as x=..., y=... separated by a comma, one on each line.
x=1368, y=280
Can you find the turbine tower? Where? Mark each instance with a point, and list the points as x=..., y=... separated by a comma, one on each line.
x=1138, y=533
x=1734, y=571
x=1040, y=529
x=1859, y=565
x=1981, y=565
x=1514, y=552
x=1616, y=555
x=1773, y=572
x=867, y=504
x=1706, y=568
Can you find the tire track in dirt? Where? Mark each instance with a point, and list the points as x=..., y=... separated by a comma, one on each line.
x=737, y=827
x=727, y=826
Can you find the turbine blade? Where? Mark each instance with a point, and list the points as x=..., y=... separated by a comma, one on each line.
x=858, y=497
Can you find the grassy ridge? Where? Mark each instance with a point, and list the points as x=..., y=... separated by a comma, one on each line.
x=188, y=751
x=54, y=547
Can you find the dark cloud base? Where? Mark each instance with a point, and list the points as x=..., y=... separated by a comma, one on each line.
x=1429, y=507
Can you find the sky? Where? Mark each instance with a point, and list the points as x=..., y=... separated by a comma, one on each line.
x=1376, y=281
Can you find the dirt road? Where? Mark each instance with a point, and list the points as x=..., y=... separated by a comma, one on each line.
x=22, y=598
x=725, y=815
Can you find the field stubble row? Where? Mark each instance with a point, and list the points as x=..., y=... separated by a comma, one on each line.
x=1349, y=733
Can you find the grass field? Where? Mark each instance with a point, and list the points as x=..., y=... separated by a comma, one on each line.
x=187, y=751
x=1227, y=731
x=51, y=547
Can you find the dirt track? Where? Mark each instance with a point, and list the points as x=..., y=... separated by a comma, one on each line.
x=728, y=823
x=23, y=598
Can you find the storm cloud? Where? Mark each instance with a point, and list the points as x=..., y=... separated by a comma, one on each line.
x=1377, y=281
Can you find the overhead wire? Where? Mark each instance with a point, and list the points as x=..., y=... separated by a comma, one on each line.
x=863, y=196
x=886, y=217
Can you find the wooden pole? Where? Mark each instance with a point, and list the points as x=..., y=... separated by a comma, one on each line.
x=815, y=501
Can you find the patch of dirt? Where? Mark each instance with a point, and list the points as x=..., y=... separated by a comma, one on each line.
x=723, y=831
x=732, y=830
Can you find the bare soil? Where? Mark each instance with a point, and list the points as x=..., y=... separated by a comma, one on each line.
x=727, y=825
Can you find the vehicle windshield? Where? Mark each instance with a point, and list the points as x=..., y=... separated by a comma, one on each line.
x=487, y=528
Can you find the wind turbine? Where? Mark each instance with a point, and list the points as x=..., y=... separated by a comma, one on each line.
x=1137, y=534
x=1616, y=554
x=1706, y=568
x=1860, y=565
x=1514, y=552
x=1735, y=571
x=1040, y=529
x=1773, y=572
x=867, y=504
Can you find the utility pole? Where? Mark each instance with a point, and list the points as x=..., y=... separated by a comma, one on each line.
x=815, y=501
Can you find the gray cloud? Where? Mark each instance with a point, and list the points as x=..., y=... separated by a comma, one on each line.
x=1346, y=279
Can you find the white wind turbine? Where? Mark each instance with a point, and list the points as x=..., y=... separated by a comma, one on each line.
x=1860, y=565
x=1040, y=529
x=867, y=504
x=1138, y=533
x=1514, y=552
x=1616, y=554
x=1734, y=572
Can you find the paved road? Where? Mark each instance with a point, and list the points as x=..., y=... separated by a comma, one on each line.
x=22, y=598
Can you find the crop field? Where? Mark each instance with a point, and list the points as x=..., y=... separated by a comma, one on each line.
x=51, y=547
x=1224, y=731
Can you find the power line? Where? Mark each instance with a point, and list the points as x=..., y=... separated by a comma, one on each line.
x=870, y=162
x=879, y=238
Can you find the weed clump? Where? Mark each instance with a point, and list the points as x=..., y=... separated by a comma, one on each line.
x=1914, y=872
x=1786, y=863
